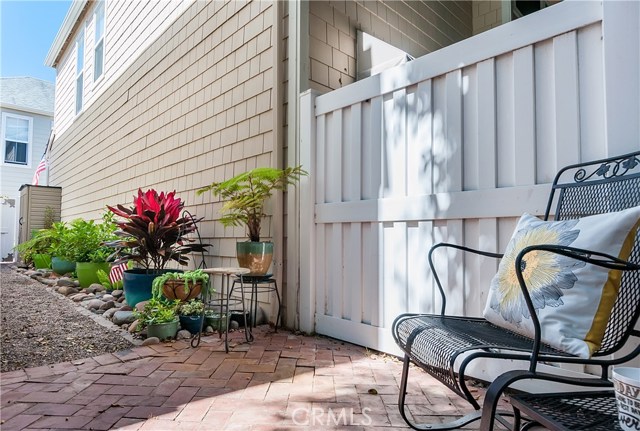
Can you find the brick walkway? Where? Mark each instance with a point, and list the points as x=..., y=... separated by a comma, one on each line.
x=280, y=381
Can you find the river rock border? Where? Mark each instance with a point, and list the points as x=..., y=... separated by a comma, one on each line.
x=109, y=309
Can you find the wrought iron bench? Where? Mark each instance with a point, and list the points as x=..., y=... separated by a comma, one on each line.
x=444, y=346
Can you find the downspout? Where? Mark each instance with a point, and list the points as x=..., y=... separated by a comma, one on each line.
x=298, y=77
x=278, y=144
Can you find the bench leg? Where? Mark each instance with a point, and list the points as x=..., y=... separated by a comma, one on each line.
x=458, y=423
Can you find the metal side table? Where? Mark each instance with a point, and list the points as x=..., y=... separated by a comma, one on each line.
x=222, y=303
x=258, y=284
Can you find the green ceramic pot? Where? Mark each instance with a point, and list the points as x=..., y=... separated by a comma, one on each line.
x=61, y=266
x=191, y=323
x=42, y=261
x=88, y=272
x=216, y=320
x=256, y=256
x=163, y=330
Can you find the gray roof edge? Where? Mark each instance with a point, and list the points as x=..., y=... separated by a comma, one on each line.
x=69, y=22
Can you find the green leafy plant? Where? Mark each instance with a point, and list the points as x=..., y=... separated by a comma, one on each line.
x=187, y=277
x=194, y=307
x=157, y=311
x=103, y=279
x=153, y=232
x=45, y=241
x=246, y=194
x=49, y=218
x=84, y=240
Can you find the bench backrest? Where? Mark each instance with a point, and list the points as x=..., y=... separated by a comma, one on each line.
x=599, y=187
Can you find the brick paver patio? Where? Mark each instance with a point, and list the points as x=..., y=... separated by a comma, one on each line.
x=281, y=381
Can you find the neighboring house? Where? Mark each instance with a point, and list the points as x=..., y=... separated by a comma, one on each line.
x=26, y=106
x=439, y=148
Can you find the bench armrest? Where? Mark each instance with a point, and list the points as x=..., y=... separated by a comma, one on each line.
x=588, y=256
x=458, y=247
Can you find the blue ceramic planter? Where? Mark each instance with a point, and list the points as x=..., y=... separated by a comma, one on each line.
x=137, y=283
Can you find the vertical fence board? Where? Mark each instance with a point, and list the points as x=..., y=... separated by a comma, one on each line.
x=321, y=151
x=354, y=272
x=546, y=163
x=471, y=154
x=505, y=121
x=353, y=175
x=524, y=116
x=334, y=158
x=453, y=123
x=592, y=128
x=486, y=112
x=566, y=85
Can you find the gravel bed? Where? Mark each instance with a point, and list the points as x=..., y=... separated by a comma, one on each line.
x=41, y=327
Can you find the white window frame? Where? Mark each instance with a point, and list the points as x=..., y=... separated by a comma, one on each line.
x=79, y=72
x=101, y=5
x=6, y=115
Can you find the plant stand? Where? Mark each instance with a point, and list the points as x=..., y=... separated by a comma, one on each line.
x=258, y=284
x=221, y=304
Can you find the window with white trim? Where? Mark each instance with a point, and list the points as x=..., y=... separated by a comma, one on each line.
x=16, y=139
x=79, y=71
x=98, y=57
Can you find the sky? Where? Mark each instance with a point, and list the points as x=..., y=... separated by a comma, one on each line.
x=27, y=31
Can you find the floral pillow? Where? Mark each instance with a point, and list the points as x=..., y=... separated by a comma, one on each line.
x=573, y=300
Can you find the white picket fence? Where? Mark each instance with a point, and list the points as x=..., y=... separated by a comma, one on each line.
x=453, y=147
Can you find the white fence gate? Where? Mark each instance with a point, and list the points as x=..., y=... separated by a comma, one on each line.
x=454, y=147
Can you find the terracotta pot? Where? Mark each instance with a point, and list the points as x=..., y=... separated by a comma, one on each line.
x=175, y=289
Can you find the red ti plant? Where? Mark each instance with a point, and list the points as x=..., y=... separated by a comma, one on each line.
x=153, y=231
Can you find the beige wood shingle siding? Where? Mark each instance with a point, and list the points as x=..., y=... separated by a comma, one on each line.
x=195, y=107
x=131, y=26
x=416, y=27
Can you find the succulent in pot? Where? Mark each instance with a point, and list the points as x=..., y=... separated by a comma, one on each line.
x=159, y=317
x=183, y=286
x=152, y=233
x=245, y=196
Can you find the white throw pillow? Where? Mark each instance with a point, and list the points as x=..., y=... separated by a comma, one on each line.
x=573, y=300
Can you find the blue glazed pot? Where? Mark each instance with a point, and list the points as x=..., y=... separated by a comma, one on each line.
x=191, y=323
x=137, y=283
x=61, y=266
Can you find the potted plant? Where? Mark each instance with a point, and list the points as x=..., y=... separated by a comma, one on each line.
x=37, y=250
x=245, y=196
x=182, y=286
x=62, y=260
x=152, y=233
x=86, y=243
x=191, y=314
x=159, y=317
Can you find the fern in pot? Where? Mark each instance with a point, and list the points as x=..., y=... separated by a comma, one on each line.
x=245, y=196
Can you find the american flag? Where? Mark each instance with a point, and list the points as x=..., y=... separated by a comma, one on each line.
x=115, y=274
x=42, y=166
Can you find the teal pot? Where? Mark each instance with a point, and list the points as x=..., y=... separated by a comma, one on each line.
x=61, y=266
x=42, y=261
x=137, y=283
x=163, y=331
x=216, y=320
x=191, y=323
x=256, y=256
x=88, y=272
